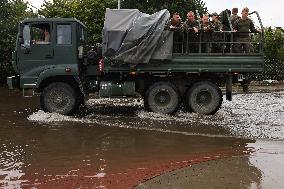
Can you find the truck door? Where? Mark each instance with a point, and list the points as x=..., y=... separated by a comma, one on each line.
x=35, y=52
x=65, y=44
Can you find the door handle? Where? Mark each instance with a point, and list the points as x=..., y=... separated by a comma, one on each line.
x=48, y=56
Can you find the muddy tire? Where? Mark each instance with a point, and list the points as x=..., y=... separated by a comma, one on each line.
x=162, y=97
x=204, y=98
x=59, y=98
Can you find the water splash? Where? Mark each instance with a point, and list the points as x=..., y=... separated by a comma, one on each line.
x=257, y=115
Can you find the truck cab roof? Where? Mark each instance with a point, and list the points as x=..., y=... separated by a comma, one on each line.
x=27, y=20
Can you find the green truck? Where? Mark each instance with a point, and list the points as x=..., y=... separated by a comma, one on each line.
x=137, y=57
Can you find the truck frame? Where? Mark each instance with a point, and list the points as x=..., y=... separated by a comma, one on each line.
x=64, y=74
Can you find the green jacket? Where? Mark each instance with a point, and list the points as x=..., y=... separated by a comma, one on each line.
x=206, y=30
x=217, y=27
x=188, y=25
x=245, y=26
x=175, y=26
x=234, y=18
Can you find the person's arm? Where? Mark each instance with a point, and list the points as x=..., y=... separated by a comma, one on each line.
x=196, y=26
x=47, y=38
x=252, y=28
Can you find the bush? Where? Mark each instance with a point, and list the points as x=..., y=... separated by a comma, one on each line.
x=11, y=12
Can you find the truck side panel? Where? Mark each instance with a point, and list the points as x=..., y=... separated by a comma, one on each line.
x=198, y=63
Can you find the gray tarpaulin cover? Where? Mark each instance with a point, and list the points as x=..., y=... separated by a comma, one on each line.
x=130, y=36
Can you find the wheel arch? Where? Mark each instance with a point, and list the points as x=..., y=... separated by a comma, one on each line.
x=71, y=80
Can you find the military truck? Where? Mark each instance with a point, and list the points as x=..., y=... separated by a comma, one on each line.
x=137, y=58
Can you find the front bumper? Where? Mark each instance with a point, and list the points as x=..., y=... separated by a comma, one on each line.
x=13, y=82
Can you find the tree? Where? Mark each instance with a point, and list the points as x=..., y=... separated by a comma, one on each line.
x=274, y=43
x=92, y=12
x=151, y=6
x=11, y=12
x=89, y=12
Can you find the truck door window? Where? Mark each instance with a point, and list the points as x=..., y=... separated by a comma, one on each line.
x=64, y=34
x=41, y=34
x=26, y=36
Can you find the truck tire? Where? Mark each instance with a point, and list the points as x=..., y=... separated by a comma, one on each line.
x=204, y=98
x=162, y=97
x=59, y=98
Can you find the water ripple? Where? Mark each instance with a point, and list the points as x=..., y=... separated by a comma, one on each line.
x=11, y=163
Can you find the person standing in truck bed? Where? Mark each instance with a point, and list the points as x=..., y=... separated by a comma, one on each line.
x=244, y=26
x=217, y=35
x=175, y=25
x=191, y=27
x=234, y=16
x=206, y=32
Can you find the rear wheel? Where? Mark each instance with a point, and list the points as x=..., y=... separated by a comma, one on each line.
x=204, y=98
x=162, y=97
x=59, y=98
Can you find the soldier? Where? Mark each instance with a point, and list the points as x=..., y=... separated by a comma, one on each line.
x=191, y=27
x=206, y=31
x=217, y=36
x=244, y=26
x=234, y=16
x=175, y=25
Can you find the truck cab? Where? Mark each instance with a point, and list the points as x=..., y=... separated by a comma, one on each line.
x=40, y=60
x=35, y=58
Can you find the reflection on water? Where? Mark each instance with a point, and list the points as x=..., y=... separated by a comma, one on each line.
x=115, y=142
x=233, y=173
x=268, y=158
x=11, y=162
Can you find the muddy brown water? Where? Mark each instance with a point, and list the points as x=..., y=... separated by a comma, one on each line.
x=106, y=146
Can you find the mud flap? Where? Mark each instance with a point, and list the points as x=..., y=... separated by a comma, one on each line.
x=229, y=84
x=84, y=93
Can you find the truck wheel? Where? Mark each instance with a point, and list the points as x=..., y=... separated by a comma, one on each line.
x=204, y=98
x=162, y=97
x=59, y=98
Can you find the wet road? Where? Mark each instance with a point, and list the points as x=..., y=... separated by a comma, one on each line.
x=114, y=143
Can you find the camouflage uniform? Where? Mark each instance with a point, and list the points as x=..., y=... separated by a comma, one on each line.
x=234, y=18
x=175, y=26
x=192, y=36
x=217, y=37
x=206, y=32
x=244, y=27
x=177, y=36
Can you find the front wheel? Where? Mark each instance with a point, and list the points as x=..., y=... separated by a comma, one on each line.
x=204, y=98
x=59, y=98
x=162, y=97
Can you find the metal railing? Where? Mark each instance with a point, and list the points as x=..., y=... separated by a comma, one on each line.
x=222, y=42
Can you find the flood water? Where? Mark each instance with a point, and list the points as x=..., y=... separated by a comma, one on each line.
x=114, y=143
